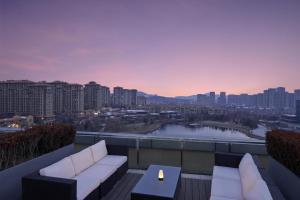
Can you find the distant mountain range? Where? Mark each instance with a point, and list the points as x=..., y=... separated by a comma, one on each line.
x=156, y=99
x=153, y=98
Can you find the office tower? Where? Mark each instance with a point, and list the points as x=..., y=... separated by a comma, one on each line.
x=141, y=100
x=73, y=98
x=58, y=93
x=40, y=100
x=222, y=98
x=14, y=96
x=105, y=96
x=92, y=96
x=212, y=98
x=118, y=97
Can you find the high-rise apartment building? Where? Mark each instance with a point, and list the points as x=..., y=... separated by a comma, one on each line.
x=59, y=89
x=40, y=100
x=14, y=96
x=233, y=100
x=260, y=100
x=222, y=98
x=124, y=97
x=297, y=94
x=203, y=99
x=141, y=100
x=279, y=99
x=212, y=98
x=133, y=98
x=92, y=96
x=105, y=96
x=290, y=101
x=74, y=98
x=298, y=110
x=118, y=96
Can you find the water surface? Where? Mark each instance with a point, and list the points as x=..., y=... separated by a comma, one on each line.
x=200, y=132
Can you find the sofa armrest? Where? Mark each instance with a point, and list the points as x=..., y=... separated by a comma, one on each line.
x=228, y=159
x=36, y=187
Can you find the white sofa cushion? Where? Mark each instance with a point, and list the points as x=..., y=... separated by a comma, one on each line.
x=98, y=150
x=259, y=191
x=101, y=172
x=228, y=188
x=226, y=172
x=249, y=176
x=114, y=160
x=82, y=160
x=247, y=158
x=86, y=183
x=91, y=178
x=61, y=169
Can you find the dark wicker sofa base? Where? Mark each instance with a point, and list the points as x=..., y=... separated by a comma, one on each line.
x=36, y=187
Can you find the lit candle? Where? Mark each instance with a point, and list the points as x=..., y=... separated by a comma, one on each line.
x=161, y=175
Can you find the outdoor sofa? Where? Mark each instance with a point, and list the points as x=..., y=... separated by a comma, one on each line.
x=241, y=177
x=88, y=174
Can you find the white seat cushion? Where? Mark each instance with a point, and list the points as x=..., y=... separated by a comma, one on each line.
x=259, y=191
x=114, y=160
x=61, y=169
x=228, y=188
x=91, y=178
x=249, y=176
x=98, y=150
x=82, y=160
x=226, y=172
x=86, y=183
x=101, y=172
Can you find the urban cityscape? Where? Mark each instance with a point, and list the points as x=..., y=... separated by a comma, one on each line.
x=93, y=107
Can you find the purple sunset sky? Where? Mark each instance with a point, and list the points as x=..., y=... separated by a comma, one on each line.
x=166, y=47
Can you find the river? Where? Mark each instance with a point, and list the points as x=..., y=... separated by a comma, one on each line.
x=180, y=131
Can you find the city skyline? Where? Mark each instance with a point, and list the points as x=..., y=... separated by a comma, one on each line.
x=169, y=48
x=111, y=89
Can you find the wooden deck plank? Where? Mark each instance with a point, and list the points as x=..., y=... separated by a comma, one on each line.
x=128, y=187
x=128, y=195
x=188, y=190
x=191, y=189
x=119, y=187
x=207, y=186
x=180, y=196
x=196, y=191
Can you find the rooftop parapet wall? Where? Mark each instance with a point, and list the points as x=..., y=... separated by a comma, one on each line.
x=193, y=155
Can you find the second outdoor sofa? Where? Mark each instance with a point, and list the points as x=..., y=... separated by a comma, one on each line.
x=88, y=174
x=237, y=177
